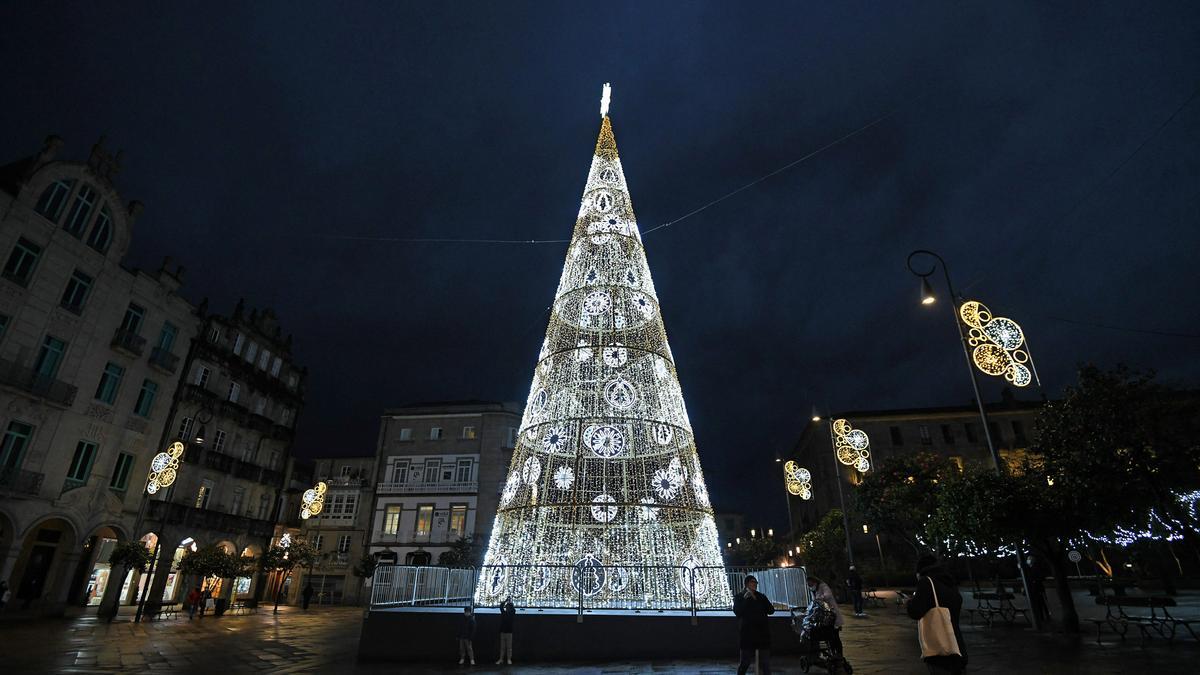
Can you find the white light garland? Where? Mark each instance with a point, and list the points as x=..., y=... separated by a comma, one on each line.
x=617, y=509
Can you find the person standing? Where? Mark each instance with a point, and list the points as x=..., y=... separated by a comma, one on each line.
x=206, y=602
x=466, y=633
x=754, y=633
x=819, y=590
x=854, y=581
x=306, y=596
x=936, y=588
x=194, y=598
x=508, y=614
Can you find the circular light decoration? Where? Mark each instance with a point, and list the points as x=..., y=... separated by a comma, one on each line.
x=798, y=480
x=643, y=304
x=588, y=576
x=564, y=477
x=596, y=302
x=692, y=579
x=648, y=511
x=999, y=343
x=852, y=446
x=620, y=394
x=510, y=488
x=663, y=434
x=606, y=441
x=619, y=580
x=531, y=470
x=556, y=439
x=496, y=576
x=604, y=508
x=538, y=404
x=666, y=483
x=616, y=355
x=313, y=501
x=164, y=468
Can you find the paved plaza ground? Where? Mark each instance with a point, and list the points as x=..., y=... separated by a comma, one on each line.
x=325, y=640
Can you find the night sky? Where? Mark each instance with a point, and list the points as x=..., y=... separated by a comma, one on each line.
x=1049, y=153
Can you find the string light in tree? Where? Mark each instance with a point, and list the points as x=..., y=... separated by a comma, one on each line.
x=999, y=344
x=605, y=497
x=852, y=446
x=164, y=468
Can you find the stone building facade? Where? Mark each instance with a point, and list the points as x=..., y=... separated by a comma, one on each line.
x=341, y=532
x=439, y=469
x=90, y=356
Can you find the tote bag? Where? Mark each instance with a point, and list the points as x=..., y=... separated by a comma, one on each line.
x=935, y=631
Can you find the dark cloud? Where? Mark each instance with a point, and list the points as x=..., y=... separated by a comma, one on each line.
x=254, y=132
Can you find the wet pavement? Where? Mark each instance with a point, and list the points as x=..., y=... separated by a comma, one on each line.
x=325, y=640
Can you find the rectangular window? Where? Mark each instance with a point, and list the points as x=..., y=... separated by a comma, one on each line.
x=458, y=520
x=424, y=520
x=134, y=316
x=219, y=441
x=202, y=375
x=185, y=429
x=947, y=433
x=204, y=493
x=406, y=434
x=1019, y=432
x=16, y=440
x=145, y=401
x=21, y=261
x=81, y=211
x=264, y=359
x=463, y=474
x=250, y=453
x=997, y=437
x=235, y=391
x=238, y=341
x=54, y=198
x=343, y=543
x=110, y=382
x=391, y=519
x=346, y=469
x=926, y=439
x=120, y=476
x=317, y=540
x=351, y=506
x=50, y=357
x=214, y=335
x=251, y=352
x=239, y=496
x=431, y=470
x=76, y=292
x=448, y=472
x=166, y=337
x=81, y=463
x=400, y=471
x=275, y=366
x=897, y=439
x=468, y=433
x=972, y=433
x=264, y=507
x=435, y=433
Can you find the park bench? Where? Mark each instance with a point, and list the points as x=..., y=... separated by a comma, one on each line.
x=871, y=595
x=990, y=605
x=244, y=606
x=1159, y=622
x=163, y=611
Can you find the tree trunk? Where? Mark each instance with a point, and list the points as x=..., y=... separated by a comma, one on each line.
x=1070, y=617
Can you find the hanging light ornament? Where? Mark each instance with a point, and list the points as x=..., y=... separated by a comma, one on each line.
x=313, y=501
x=164, y=468
x=799, y=480
x=852, y=445
x=999, y=344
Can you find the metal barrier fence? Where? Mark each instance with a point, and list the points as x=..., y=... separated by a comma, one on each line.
x=673, y=588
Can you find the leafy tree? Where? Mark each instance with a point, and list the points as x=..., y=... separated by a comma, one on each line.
x=365, y=569
x=126, y=556
x=284, y=560
x=462, y=553
x=755, y=552
x=823, y=548
x=212, y=562
x=898, y=495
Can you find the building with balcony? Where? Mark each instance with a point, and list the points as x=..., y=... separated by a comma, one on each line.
x=340, y=533
x=235, y=410
x=89, y=365
x=438, y=472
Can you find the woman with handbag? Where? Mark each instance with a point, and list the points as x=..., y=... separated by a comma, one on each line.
x=936, y=607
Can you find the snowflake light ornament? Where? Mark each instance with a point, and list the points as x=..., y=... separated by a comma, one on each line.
x=556, y=439
x=667, y=482
x=564, y=477
x=604, y=508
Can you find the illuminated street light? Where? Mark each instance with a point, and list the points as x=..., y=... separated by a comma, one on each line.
x=927, y=296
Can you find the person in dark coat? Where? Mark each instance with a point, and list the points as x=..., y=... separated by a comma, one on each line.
x=466, y=633
x=754, y=634
x=854, y=581
x=930, y=571
x=508, y=614
x=306, y=596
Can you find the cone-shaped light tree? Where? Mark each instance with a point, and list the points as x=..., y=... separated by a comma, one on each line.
x=605, y=502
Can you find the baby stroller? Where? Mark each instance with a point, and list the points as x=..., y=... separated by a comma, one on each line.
x=820, y=644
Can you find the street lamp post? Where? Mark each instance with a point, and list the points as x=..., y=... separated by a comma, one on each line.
x=837, y=478
x=928, y=298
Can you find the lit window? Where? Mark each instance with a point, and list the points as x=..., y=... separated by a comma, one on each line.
x=391, y=520
x=424, y=520
x=435, y=433
x=468, y=432
x=458, y=520
x=406, y=434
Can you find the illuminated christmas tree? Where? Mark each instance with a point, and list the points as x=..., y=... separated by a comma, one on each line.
x=605, y=499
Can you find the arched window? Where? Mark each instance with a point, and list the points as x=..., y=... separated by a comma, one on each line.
x=101, y=235
x=81, y=211
x=54, y=198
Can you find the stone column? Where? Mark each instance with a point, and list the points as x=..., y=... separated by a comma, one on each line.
x=110, y=603
x=55, y=597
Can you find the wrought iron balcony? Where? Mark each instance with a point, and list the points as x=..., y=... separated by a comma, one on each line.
x=30, y=381
x=20, y=481
x=432, y=487
x=206, y=519
x=164, y=360
x=129, y=342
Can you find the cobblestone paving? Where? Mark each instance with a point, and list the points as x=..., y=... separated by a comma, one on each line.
x=325, y=640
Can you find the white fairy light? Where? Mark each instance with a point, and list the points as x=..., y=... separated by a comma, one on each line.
x=999, y=344
x=619, y=503
x=313, y=501
x=164, y=468
x=605, y=99
x=852, y=446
